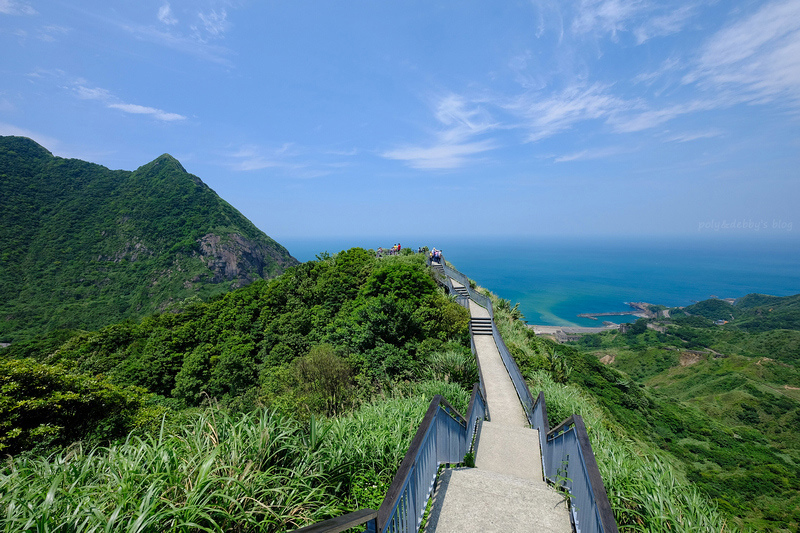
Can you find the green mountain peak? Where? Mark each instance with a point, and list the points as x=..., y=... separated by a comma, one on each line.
x=83, y=246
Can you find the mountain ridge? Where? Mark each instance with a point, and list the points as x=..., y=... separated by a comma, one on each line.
x=83, y=246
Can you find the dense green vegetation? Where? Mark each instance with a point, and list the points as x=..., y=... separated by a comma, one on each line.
x=83, y=246
x=322, y=338
x=280, y=403
x=753, y=313
x=724, y=400
x=292, y=400
x=260, y=471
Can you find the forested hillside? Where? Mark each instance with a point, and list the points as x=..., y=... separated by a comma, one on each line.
x=82, y=246
x=321, y=338
x=278, y=403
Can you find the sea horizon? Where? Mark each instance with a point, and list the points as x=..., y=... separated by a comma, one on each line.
x=556, y=278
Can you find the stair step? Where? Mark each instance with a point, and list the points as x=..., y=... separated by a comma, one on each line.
x=481, y=326
x=509, y=450
x=468, y=500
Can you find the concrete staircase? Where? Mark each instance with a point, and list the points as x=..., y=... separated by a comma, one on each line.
x=506, y=491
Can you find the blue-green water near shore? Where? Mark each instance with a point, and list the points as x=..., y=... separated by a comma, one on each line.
x=556, y=279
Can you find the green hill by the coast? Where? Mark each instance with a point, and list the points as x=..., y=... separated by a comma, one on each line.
x=737, y=366
x=82, y=246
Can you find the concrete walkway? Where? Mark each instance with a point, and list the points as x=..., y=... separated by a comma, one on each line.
x=506, y=490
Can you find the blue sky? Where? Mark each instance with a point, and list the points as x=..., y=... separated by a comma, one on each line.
x=323, y=119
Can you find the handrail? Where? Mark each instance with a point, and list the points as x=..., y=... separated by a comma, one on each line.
x=442, y=437
x=444, y=280
x=590, y=506
x=477, y=297
x=480, y=374
x=344, y=522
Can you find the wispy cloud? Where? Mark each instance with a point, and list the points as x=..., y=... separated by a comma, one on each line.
x=596, y=19
x=593, y=153
x=5, y=105
x=650, y=118
x=194, y=33
x=662, y=25
x=668, y=66
x=12, y=7
x=144, y=110
x=547, y=115
x=175, y=40
x=606, y=16
x=695, y=135
x=441, y=156
x=214, y=23
x=112, y=102
x=461, y=122
x=52, y=32
x=252, y=157
x=165, y=15
x=758, y=57
x=288, y=159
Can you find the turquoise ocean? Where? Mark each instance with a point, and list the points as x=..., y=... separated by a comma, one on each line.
x=555, y=279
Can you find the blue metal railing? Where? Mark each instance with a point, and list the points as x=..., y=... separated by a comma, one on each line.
x=567, y=457
x=569, y=462
x=443, y=437
x=477, y=297
x=444, y=280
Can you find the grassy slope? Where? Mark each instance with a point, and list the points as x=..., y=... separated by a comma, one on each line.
x=745, y=384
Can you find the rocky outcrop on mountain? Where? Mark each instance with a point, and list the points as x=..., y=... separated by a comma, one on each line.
x=235, y=258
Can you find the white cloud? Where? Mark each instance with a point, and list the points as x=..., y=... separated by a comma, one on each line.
x=143, y=110
x=165, y=15
x=695, y=135
x=596, y=19
x=214, y=22
x=11, y=7
x=194, y=44
x=192, y=35
x=758, y=57
x=91, y=93
x=253, y=158
x=441, y=156
x=594, y=153
x=669, y=65
x=52, y=32
x=285, y=159
x=112, y=102
x=6, y=106
x=605, y=16
x=659, y=26
x=548, y=115
x=461, y=121
x=630, y=123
